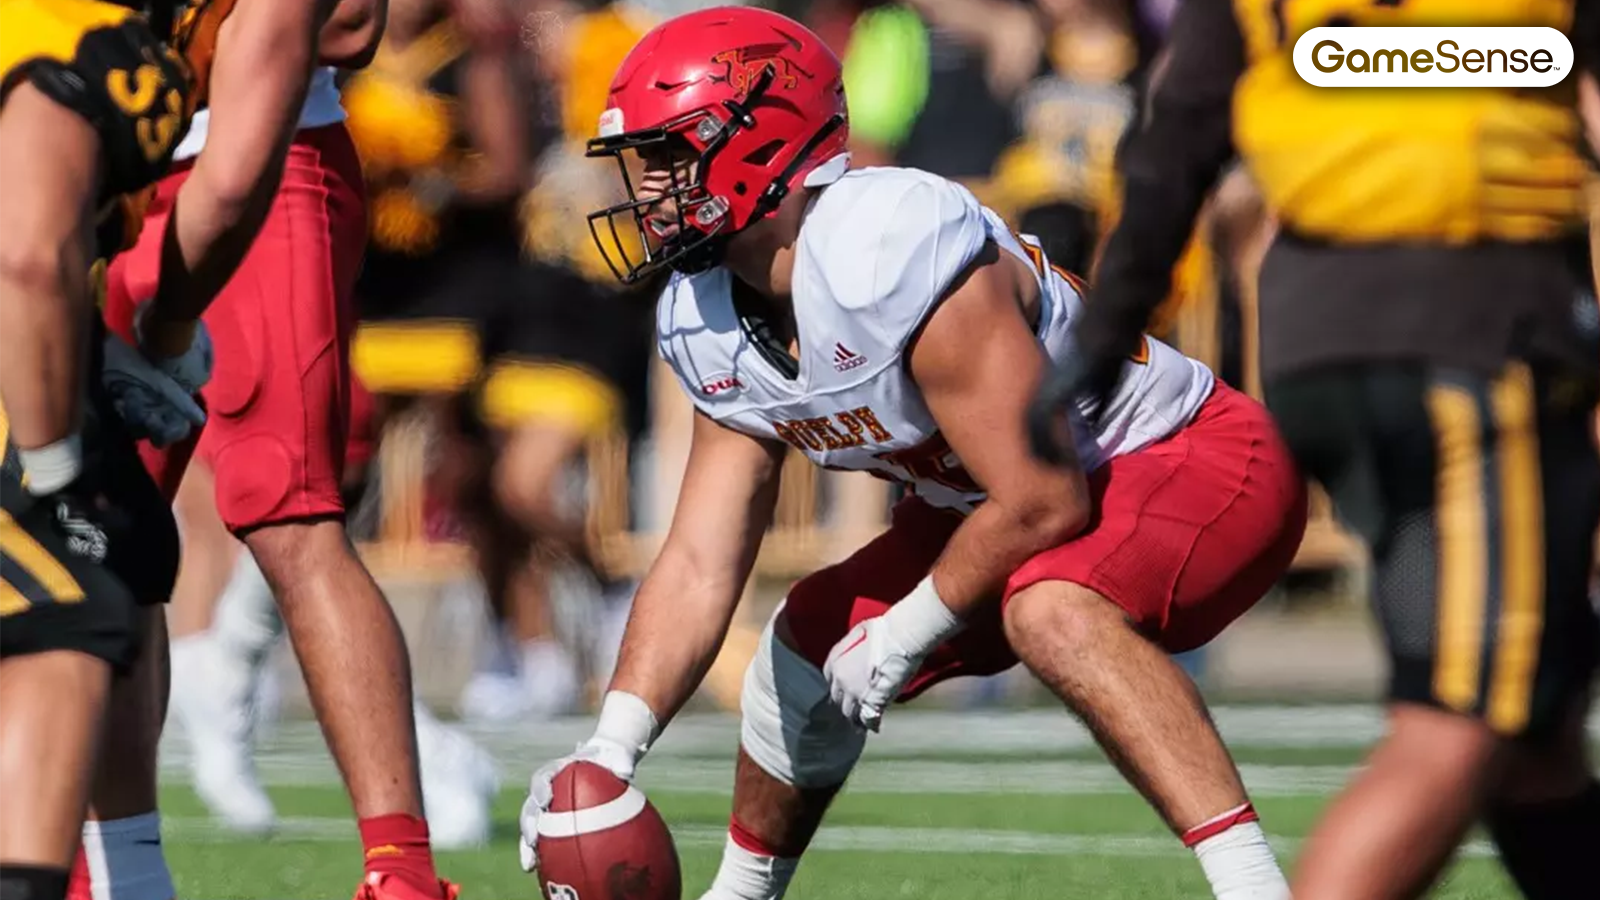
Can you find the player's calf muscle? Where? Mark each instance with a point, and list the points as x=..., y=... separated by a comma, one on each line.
x=1140, y=705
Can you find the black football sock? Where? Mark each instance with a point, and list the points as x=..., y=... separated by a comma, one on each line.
x=32, y=883
x=1549, y=848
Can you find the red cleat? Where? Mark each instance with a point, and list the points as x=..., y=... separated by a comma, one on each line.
x=384, y=886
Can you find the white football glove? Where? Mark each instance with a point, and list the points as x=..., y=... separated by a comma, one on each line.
x=866, y=670
x=191, y=369
x=596, y=750
x=869, y=667
x=622, y=736
x=150, y=401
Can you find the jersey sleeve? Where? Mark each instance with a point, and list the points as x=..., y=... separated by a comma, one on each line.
x=1171, y=158
x=910, y=242
x=135, y=95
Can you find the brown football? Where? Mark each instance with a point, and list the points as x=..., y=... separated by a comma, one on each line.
x=602, y=839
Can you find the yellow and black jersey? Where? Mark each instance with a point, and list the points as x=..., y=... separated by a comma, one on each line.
x=1443, y=166
x=61, y=588
x=405, y=118
x=194, y=37
x=1414, y=223
x=103, y=61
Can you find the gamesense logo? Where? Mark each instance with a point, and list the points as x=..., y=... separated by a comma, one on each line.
x=1433, y=57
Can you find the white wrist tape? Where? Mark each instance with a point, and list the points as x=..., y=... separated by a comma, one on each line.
x=921, y=621
x=53, y=466
x=626, y=720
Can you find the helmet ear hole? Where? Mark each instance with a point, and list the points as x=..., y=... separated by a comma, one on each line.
x=763, y=154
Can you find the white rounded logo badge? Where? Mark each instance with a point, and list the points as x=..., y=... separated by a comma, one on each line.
x=1500, y=57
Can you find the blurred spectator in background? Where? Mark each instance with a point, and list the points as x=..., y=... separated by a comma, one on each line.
x=450, y=333
x=1058, y=180
x=932, y=83
x=568, y=361
x=444, y=145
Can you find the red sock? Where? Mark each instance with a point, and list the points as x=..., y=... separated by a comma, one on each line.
x=397, y=845
x=78, y=885
x=1220, y=823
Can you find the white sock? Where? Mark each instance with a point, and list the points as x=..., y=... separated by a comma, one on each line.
x=246, y=623
x=52, y=467
x=745, y=875
x=433, y=736
x=1238, y=861
x=125, y=859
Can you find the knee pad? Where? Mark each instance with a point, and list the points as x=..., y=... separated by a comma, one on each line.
x=125, y=860
x=790, y=728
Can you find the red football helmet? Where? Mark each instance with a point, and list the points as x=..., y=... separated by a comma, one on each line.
x=756, y=95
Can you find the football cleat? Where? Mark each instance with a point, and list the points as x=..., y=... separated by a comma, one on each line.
x=387, y=886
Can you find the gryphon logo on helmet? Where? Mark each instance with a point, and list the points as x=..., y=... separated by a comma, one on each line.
x=1514, y=57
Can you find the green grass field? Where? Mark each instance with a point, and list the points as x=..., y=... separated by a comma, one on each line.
x=997, y=806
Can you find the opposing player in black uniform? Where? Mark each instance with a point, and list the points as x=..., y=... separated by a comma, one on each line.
x=1421, y=354
x=93, y=105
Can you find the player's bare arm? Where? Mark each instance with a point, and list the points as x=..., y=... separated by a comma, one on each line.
x=687, y=599
x=493, y=121
x=976, y=361
x=684, y=605
x=1172, y=158
x=50, y=157
x=351, y=36
x=266, y=50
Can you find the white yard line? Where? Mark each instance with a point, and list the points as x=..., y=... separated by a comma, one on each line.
x=875, y=839
x=882, y=776
x=923, y=733
x=696, y=753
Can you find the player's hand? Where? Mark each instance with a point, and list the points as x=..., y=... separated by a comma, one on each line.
x=154, y=405
x=610, y=754
x=867, y=669
x=181, y=350
x=1082, y=383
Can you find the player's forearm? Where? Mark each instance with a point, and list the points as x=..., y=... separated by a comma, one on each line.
x=1169, y=163
x=675, y=630
x=44, y=311
x=207, y=236
x=494, y=121
x=1166, y=185
x=258, y=83
x=994, y=542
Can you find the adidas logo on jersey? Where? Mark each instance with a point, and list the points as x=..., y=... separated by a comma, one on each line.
x=845, y=359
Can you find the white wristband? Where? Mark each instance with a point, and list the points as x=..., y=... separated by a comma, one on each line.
x=627, y=721
x=921, y=621
x=53, y=466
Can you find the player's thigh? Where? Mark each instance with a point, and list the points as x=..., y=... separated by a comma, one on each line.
x=1491, y=487
x=821, y=608
x=279, y=398
x=1324, y=417
x=1188, y=533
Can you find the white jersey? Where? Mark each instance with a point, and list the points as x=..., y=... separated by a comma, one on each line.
x=876, y=252
x=322, y=107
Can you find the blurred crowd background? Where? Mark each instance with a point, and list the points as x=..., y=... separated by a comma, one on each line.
x=518, y=452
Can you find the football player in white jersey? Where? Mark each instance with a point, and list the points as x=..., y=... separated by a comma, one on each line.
x=883, y=320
